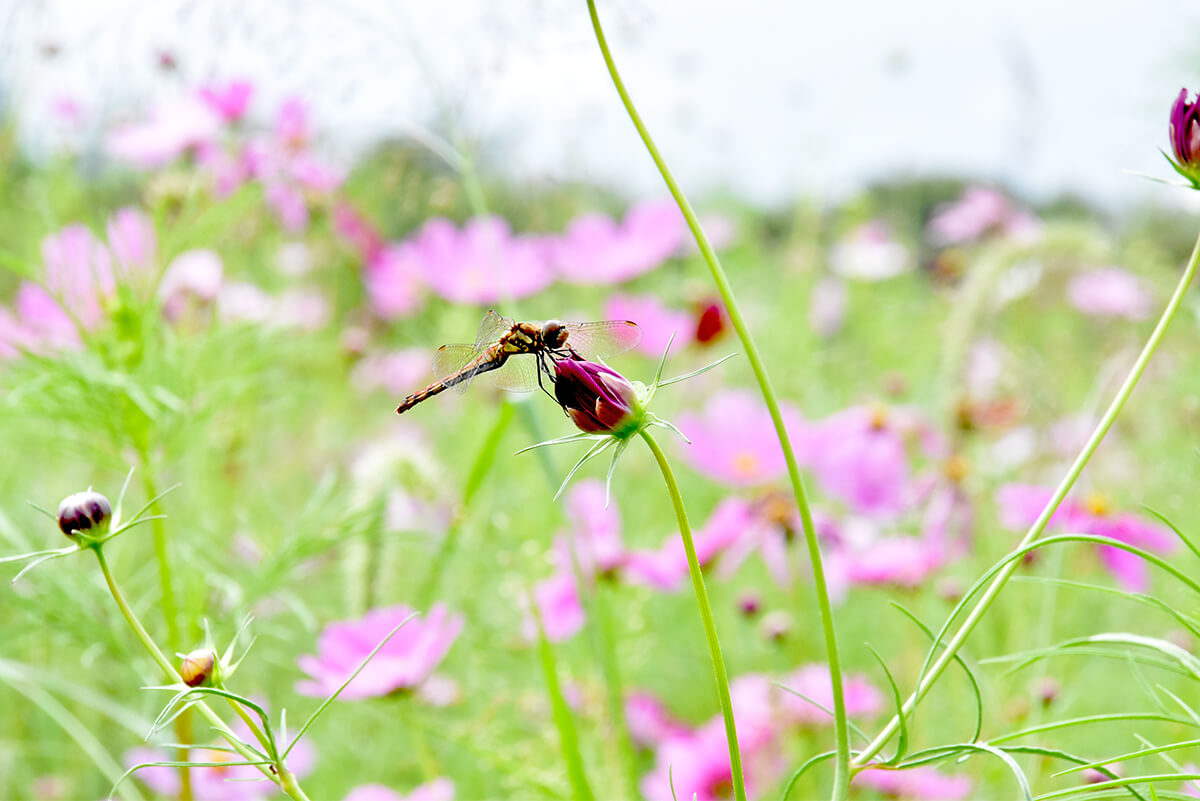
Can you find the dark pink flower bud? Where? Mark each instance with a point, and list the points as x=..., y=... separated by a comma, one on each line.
x=598, y=399
x=86, y=513
x=1185, y=130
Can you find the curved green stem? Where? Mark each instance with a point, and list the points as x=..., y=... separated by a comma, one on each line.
x=706, y=616
x=1039, y=526
x=842, y=731
x=285, y=779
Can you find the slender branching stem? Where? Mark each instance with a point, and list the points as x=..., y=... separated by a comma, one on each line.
x=953, y=645
x=841, y=730
x=706, y=616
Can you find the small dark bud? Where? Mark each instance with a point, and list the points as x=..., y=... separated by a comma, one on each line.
x=85, y=513
x=749, y=604
x=197, y=668
x=1046, y=690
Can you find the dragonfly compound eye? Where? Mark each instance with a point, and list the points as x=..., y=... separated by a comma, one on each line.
x=554, y=333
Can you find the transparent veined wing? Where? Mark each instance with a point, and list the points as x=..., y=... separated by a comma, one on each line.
x=450, y=360
x=603, y=339
x=491, y=328
x=517, y=374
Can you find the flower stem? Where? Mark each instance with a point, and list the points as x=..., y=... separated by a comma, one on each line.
x=706, y=616
x=285, y=778
x=841, y=783
x=1039, y=526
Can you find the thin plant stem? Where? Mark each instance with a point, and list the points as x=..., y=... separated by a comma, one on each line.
x=1039, y=526
x=706, y=616
x=841, y=782
x=285, y=779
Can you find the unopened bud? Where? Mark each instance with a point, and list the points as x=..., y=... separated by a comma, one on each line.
x=87, y=513
x=749, y=604
x=198, y=668
x=776, y=625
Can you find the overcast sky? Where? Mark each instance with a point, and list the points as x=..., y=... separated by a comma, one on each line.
x=764, y=98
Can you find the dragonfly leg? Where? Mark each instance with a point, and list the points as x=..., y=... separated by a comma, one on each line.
x=542, y=367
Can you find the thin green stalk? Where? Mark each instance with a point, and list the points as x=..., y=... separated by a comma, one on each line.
x=567, y=736
x=706, y=616
x=285, y=779
x=841, y=782
x=989, y=596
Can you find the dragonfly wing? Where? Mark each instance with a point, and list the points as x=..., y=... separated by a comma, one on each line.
x=517, y=374
x=449, y=360
x=603, y=339
x=491, y=328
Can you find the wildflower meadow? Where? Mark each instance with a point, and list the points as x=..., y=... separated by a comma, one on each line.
x=392, y=477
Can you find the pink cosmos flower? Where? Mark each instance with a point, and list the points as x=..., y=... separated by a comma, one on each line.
x=869, y=253
x=922, y=783
x=827, y=306
x=78, y=272
x=406, y=661
x=1021, y=504
x=596, y=250
x=734, y=440
x=596, y=526
x=232, y=783
x=393, y=279
x=896, y=560
x=398, y=371
x=357, y=231
x=132, y=240
x=666, y=568
x=289, y=205
x=291, y=123
x=1110, y=292
x=558, y=607
x=978, y=212
x=40, y=324
x=436, y=790
x=813, y=681
x=657, y=322
x=172, y=130
x=230, y=99
x=649, y=721
x=193, y=278
x=479, y=264
x=696, y=764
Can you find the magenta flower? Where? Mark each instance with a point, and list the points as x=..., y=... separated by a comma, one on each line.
x=734, y=442
x=978, y=212
x=481, y=263
x=1021, y=504
x=406, y=661
x=870, y=253
x=696, y=765
x=1110, y=292
x=649, y=721
x=171, y=131
x=79, y=273
x=291, y=123
x=922, y=783
x=896, y=561
x=558, y=607
x=596, y=250
x=232, y=783
x=436, y=790
x=666, y=568
x=813, y=681
x=393, y=280
x=599, y=400
x=658, y=323
x=230, y=100
x=40, y=324
x=1184, y=131
x=596, y=528
x=357, y=231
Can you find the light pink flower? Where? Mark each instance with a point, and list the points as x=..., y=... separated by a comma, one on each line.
x=1110, y=292
x=859, y=457
x=657, y=322
x=734, y=440
x=897, y=560
x=1022, y=504
x=172, y=130
x=484, y=262
x=289, y=205
x=398, y=371
x=869, y=253
x=649, y=721
x=291, y=122
x=193, y=278
x=813, y=681
x=305, y=309
x=436, y=790
x=558, y=607
x=229, y=99
x=393, y=280
x=923, y=783
x=978, y=212
x=353, y=227
x=78, y=272
x=40, y=323
x=827, y=306
x=406, y=661
x=596, y=250
x=596, y=524
x=696, y=765
x=666, y=568
x=132, y=240
x=243, y=302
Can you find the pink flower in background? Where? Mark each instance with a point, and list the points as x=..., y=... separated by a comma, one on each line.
x=859, y=457
x=436, y=790
x=406, y=661
x=734, y=442
x=666, y=568
x=172, y=130
x=897, y=560
x=393, y=281
x=596, y=250
x=78, y=270
x=481, y=263
x=827, y=306
x=1110, y=292
x=39, y=324
x=357, y=231
x=1021, y=505
x=597, y=528
x=649, y=721
x=397, y=371
x=696, y=764
x=311, y=173
x=869, y=253
x=978, y=212
x=230, y=99
x=133, y=242
x=192, y=279
x=657, y=322
x=291, y=123
x=922, y=783
x=243, y=302
x=558, y=607
x=812, y=681
x=289, y=205
x=232, y=783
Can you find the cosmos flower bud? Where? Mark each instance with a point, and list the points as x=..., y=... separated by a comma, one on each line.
x=87, y=513
x=1185, y=136
x=198, y=668
x=598, y=400
x=710, y=321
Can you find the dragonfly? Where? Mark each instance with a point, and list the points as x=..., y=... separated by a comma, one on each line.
x=517, y=356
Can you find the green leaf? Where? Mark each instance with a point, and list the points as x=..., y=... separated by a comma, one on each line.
x=902, y=735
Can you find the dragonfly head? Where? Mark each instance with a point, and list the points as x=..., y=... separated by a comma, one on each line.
x=554, y=333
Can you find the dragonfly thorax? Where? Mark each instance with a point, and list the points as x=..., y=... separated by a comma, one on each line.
x=554, y=333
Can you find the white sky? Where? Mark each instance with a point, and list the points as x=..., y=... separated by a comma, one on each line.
x=765, y=98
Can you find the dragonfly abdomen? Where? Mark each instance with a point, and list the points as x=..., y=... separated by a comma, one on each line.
x=493, y=362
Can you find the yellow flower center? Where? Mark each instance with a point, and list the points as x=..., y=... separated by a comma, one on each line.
x=1098, y=504
x=745, y=464
x=879, y=416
